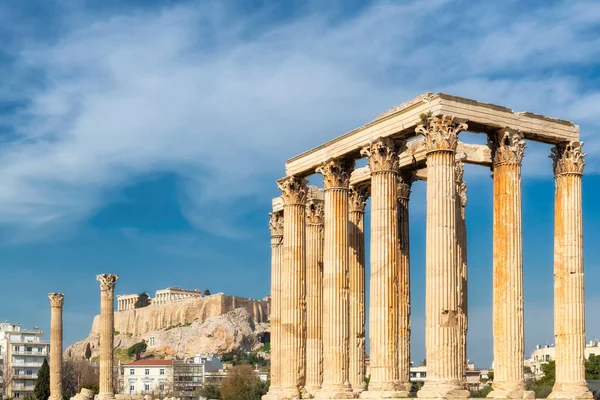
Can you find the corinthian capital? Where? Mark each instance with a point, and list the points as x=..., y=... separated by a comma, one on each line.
x=358, y=198
x=336, y=173
x=405, y=181
x=56, y=299
x=315, y=212
x=440, y=132
x=293, y=190
x=276, y=223
x=382, y=155
x=507, y=145
x=568, y=158
x=107, y=281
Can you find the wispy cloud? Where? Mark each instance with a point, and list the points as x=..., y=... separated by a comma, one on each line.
x=222, y=99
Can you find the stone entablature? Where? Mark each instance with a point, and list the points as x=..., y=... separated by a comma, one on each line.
x=396, y=156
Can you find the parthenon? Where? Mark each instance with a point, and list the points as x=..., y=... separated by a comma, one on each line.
x=318, y=257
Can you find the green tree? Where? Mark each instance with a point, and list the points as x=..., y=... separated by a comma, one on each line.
x=481, y=393
x=137, y=349
x=241, y=383
x=143, y=300
x=210, y=390
x=543, y=386
x=207, y=292
x=42, y=386
x=592, y=368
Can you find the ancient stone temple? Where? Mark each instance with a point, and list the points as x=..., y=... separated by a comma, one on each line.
x=318, y=255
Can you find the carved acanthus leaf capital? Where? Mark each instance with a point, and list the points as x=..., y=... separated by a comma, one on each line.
x=568, y=158
x=107, y=281
x=336, y=173
x=56, y=299
x=315, y=212
x=508, y=146
x=293, y=190
x=440, y=132
x=358, y=197
x=382, y=154
x=276, y=223
x=405, y=181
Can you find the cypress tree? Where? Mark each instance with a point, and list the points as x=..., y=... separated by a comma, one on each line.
x=42, y=386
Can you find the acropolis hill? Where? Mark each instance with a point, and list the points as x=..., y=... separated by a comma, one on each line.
x=213, y=324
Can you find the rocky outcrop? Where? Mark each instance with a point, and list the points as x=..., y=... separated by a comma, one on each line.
x=212, y=325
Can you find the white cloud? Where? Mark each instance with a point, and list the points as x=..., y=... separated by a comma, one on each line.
x=222, y=100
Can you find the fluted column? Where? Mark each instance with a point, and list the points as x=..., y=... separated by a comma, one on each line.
x=276, y=228
x=442, y=280
x=569, y=305
x=356, y=265
x=382, y=157
x=508, y=148
x=107, y=329
x=461, y=254
x=336, y=180
x=405, y=181
x=56, y=344
x=314, y=295
x=293, y=287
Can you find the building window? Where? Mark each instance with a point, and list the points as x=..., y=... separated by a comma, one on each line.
x=151, y=341
x=162, y=387
x=147, y=387
x=147, y=371
x=132, y=371
x=162, y=371
x=29, y=372
x=131, y=389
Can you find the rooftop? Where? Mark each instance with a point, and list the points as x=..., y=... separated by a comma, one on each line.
x=149, y=363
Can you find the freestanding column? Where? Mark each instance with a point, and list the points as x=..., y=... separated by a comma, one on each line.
x=107, y=329
x=336, y=180
x=382, y=156
x=569, y=307
x=276, y=228
x=56, y=342
x=356, y=242
x=461, y=254
x=405, y=181
x=293, y=281
x=442, y=281
x=508, y=148
x=314, y=295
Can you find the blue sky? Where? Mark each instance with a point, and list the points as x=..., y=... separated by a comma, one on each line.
x=144, y=138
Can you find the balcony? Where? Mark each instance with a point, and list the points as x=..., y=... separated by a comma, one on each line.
x=27, y=365
x=29, y=353
x=19, y=377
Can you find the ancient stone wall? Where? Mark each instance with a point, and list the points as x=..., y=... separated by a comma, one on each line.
x=142, y=320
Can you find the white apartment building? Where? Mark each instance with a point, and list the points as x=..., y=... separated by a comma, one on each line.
x=543, y=354
x=23, y=353
x=162, y=378
x=153, y=377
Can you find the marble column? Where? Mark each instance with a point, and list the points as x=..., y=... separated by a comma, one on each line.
x=356, y=266
x=107, y=330
x=314, y=295
x=56, y=345
x=276, y=228
x=461, y=254
x=442, y=280
x=508, y=148
x=569, y=305
x=336, y=181
x=405, y=180
x=293, y=288
x=382, y=157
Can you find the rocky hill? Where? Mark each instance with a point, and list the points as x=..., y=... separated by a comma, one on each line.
x=214, y=324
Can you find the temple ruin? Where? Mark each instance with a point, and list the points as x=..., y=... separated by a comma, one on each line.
x=318, y=256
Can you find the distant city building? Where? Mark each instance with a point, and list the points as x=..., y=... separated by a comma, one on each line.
x=23, y=353
x=168, y=378
x=473, y=376
x=164, y=296
x=544, y=354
